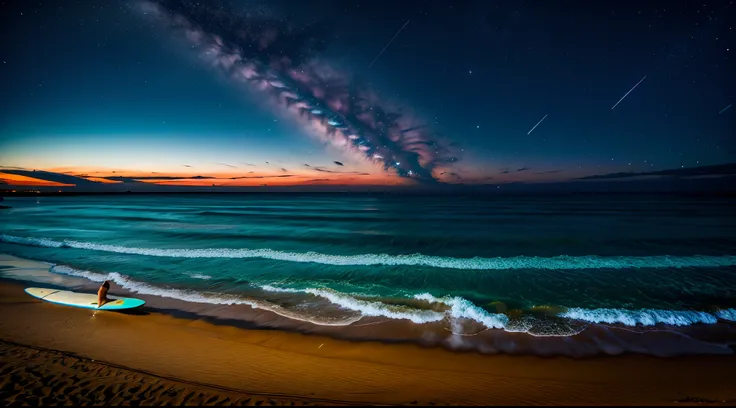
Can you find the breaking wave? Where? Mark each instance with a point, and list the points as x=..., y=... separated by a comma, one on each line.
x=453, y=308
x=366, y=308
x=642, y=317
x=196, y=296
x=562, y=262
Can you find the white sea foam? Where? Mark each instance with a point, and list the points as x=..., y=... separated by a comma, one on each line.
x=518, y=262
x=41, y=242
x=195, y=296
x=366, y=308
x=458, y=307
x=463, y=308
x=643, y=317
x=198, y=276
x=727, y=314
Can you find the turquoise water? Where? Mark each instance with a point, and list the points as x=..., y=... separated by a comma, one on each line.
x=534, y=266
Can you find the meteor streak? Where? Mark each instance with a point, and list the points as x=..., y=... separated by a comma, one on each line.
x=627, y=93
x=535, y=126
x=389, y=43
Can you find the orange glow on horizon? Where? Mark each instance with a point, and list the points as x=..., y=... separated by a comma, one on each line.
x=102, y=180
x=246, y=177
x=18, y=180
x=275, y=180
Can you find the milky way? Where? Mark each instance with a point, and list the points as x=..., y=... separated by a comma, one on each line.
x=283, y=62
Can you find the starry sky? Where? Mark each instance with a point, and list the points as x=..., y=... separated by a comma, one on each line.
x=358, y=93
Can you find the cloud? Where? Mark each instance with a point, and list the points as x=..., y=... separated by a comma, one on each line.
x=151, y=178
x=306, y=165
x=263, y=177
x=124, y=179
x=338, y=163
x=505, y=171
x=186, y=165
x=717, y=170
x=226, y=165
x=456, y=177
x=175, y=178
x=135, y=179
x=324, y=170
x=524, y=169
x=318, y=179
x=411, y=129
x=248, y=164
x=49, y=176
x=284, y=170
x=282, y=60
x=549, y=172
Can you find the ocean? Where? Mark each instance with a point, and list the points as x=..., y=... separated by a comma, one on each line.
x=546, y=275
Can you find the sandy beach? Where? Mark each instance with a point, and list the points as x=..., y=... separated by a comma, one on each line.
x=56, y=354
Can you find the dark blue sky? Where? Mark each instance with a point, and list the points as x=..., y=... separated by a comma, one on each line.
x=103, y=85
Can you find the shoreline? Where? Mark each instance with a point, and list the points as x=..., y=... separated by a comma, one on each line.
x=265, y=311
x=256, y=311
x=238, y=364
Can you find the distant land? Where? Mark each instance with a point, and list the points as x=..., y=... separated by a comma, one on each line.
x=719, y=186
x=713, y=179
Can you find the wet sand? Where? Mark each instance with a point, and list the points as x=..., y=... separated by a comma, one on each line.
x=56, y=354
x=37, y=376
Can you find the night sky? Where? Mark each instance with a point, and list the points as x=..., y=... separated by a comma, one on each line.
x=431, y=92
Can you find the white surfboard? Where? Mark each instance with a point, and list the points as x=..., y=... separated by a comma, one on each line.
x=83, y=300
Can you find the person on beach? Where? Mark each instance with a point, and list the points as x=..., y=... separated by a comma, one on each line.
x=102, y=294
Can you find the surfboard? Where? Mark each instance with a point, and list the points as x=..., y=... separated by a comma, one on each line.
x=83, y=300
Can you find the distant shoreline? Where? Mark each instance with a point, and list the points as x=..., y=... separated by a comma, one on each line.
x=394, y=193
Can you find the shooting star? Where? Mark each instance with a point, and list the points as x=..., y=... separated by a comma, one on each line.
x=627, y=93
x=724, y=109
x=389, y=43
x=535, y=126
